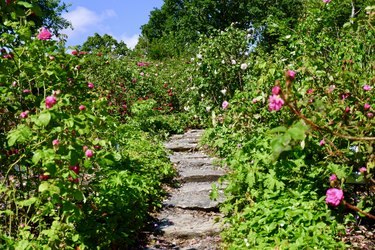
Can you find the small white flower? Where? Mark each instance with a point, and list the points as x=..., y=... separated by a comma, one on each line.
x=244, y=66
x=192, y=59
x=186, y=108
x=223, y=91
x=354, y=148
x=288, y=36
x=233, y=61
x=199, y=56
x=222, y=61
x=208, y=108
x=246, y=242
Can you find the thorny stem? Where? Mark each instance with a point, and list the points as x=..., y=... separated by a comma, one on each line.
x=352, y=207
x=319, y=128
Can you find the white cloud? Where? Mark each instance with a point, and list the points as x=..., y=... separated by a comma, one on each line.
x=130, y=41
x=84, y=20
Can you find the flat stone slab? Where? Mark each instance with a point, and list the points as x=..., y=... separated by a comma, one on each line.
x=181, y=146
x=188, y=224
x=194, y=195
x=193, y=134
x=202, y=174
x=189, y=158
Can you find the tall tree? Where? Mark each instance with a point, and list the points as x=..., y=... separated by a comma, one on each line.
x=105, y=44
x=180, y=22
x=44, y=13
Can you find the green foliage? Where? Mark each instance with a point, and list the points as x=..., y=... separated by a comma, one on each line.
x=104, y=44
x=72, y=175
x=42, y=13
x=175, y=28
x=280, y=161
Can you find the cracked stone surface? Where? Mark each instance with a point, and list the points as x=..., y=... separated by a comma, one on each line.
x=189, y=218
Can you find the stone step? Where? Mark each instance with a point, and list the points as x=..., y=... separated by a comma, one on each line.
x=188, y=224
x=200, y=175
x=181, y=146
x=194, y=195
x=187, y=159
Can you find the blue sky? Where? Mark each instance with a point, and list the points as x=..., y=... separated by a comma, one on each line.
x=121, y=19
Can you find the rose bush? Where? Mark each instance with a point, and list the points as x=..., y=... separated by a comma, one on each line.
x=63, y=162
x=319, y=89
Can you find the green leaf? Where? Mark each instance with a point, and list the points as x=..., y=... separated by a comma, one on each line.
x=37, y=156
x=25, y=4
x=28, y=202
x=43, y=187
x=44, y=119
x=23, y=244
x=78, y=195
x=12, y=138
x=75, y=238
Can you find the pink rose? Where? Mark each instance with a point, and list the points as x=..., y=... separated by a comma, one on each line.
x=55, y=142
x=362, y=170
x=44, y=34
x=275, y=103
x=90, y=85
x=50, y=101
x=276, y=90
x=333, y=177
x=82, y=107
x=322, y=142
x=24, y=114
x=89, y=153
x=326, y=1
x=370, y=115
x=334, y=196
x=366, y=106
x=291, y=74
x=26, y=91
x=225, y=105
x=367, y=87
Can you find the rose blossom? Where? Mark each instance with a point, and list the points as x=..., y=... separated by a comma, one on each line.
x=275, y=103
x=82, y=107
x=333, y=177
x=367, y=87
x=24, y=114
x=334, y=196
x=225, y=105
x=89, y=153
x=366, y=106
x=326, y=1
x=90, y=85
x=322, y=142
x=50, y=101
x=44, y=34
x=362, y=170
x=276, y=90
x=243, y=66
x=370, y=115
x=75, y=169
x=291, y=74
x=55, y=142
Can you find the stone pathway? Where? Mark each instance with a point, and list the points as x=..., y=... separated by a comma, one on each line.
x=188, y=218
